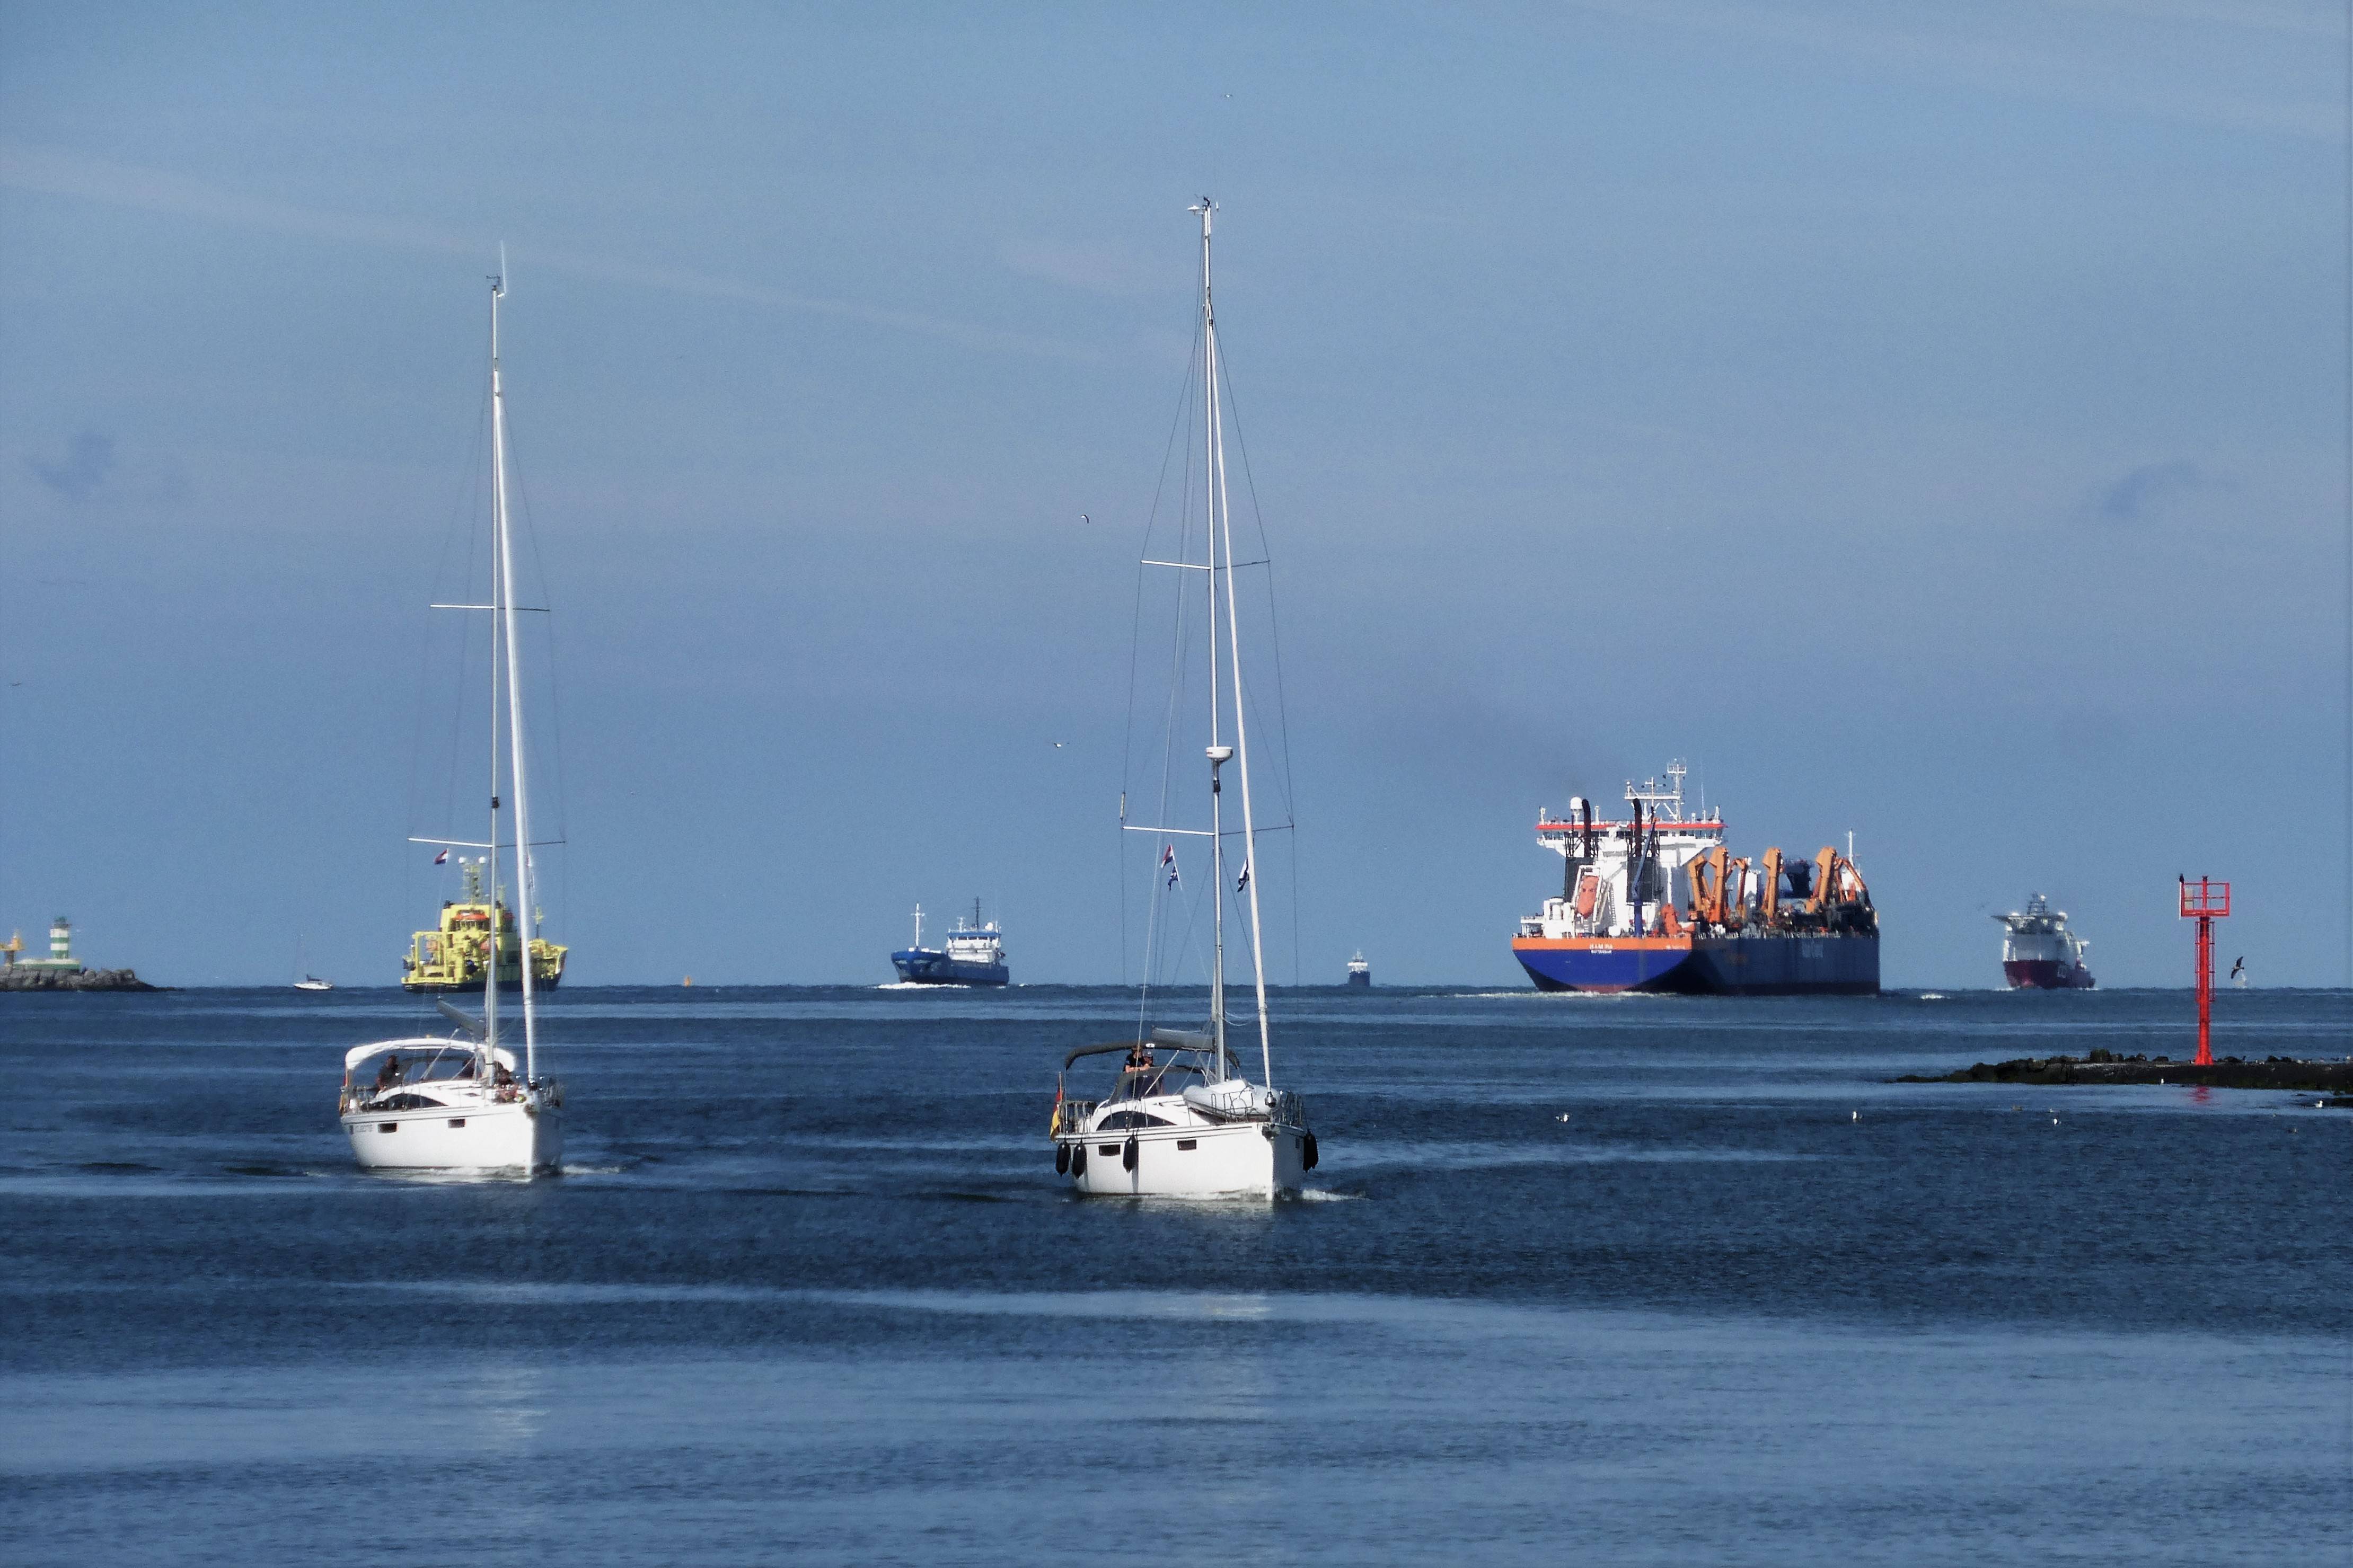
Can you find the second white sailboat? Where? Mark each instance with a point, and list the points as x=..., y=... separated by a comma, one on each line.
x=1182, y=1118
x=457, y=1103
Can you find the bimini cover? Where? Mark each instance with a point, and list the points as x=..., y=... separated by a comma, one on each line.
x=424, y=1044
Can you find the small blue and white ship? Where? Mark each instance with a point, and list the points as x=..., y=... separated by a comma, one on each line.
x=975, y=956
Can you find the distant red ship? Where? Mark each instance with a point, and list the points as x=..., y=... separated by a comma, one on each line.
x=2040, y=953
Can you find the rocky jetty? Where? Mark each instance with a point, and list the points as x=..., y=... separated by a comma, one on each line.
x=13, y=978
x=2101, y=1067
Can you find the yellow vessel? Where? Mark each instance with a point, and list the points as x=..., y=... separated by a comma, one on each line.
x=451, y=958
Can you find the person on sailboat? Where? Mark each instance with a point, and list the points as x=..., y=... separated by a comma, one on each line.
x=388, y=1074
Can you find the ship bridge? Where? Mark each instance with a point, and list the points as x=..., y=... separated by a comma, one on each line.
x=1675, y=840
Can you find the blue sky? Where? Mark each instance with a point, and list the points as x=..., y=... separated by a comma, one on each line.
x=1929, y=422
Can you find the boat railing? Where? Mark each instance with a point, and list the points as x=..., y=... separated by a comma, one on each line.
x=1069, y=1115
x=1286, y=1109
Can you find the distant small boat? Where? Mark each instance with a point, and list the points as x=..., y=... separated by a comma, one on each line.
x=309, y=982
x=1360, y=974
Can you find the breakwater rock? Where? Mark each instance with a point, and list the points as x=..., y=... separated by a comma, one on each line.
x=2100, y=1066
x=16, y=979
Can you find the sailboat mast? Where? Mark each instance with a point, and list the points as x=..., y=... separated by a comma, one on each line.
x=1209, y=489
x=505, y=604
x=1225, y=540
x=498, y=589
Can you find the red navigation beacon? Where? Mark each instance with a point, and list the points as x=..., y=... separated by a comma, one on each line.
x=2205, y=901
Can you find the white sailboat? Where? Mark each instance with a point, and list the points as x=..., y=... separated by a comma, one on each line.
x=456, y=1102
x=309, y=982
x=1182, y=1118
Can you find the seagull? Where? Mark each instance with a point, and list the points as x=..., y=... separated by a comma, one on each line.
x=1084, y=518
x=1057, y=746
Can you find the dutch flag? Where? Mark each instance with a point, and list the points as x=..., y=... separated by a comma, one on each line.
x=1168, y=859
x=442, y=858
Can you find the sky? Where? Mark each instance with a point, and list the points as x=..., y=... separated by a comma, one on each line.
x=1929, y=422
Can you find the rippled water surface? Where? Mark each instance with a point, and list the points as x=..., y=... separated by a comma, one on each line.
x=1579, y=1280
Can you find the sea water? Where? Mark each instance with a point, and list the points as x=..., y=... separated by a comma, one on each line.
x=1622, y=1279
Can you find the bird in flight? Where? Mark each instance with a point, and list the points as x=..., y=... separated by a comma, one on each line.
x=1084, y=518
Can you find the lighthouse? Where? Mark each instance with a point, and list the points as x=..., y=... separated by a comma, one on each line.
x=62, y=960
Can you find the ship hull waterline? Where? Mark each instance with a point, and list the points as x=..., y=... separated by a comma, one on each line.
x=457, y=1138
x=1793, y=966
x=1239, y=1160
x=539, y=983
x=921, y=968
x=2045, y=974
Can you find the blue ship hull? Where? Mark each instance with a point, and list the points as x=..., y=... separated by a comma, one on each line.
x=1791, y=965
x=928, y=967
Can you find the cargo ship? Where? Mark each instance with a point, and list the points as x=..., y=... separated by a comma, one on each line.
x=2040, y=953
x=451, y=956
x=975, y=956
x=1657, y=902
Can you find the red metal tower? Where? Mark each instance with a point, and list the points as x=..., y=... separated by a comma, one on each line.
x=2205, y=902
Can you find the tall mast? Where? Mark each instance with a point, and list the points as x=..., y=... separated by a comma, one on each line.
x=1225, y=539
x=498, y=591
x=1217, y=752
x=504, y=601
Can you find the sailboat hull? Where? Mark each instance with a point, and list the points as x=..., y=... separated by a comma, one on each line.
x=1242, y=1159
x=496, y=1137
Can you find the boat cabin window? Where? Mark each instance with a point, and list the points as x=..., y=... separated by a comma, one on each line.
x=405, y=1102
x=1119, y=1119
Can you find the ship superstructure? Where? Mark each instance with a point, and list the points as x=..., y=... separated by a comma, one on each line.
x=974, y=955
x=451, y=956
x=2040, y=953
x=1360, y=973
x=1657, y=902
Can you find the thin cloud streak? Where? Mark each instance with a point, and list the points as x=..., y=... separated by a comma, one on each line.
x=54, y=171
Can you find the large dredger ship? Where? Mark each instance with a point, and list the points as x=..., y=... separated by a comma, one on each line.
x=450, y=958
x=1656, y=902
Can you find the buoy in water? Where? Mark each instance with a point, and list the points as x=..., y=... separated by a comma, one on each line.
x=1062, y=1159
